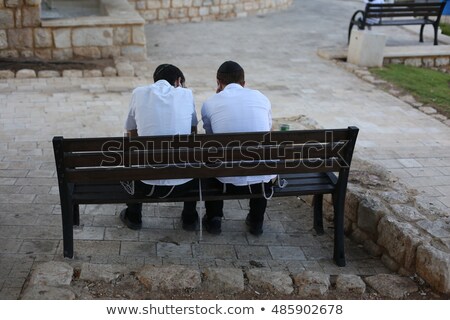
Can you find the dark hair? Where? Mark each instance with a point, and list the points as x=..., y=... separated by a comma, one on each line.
x=230, y=72
x=168, y=72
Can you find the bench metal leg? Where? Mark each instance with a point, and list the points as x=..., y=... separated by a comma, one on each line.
x=435, y=34
x=339, y=251
x=422, y=26
x=318, y=213
x=67, y=224
x=76, y=215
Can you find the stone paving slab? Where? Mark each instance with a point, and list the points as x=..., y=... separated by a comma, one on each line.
x=278, y=52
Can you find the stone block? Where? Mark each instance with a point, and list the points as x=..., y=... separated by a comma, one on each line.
x=428, y=62
x=219, y=280
x=49, y=74
x=125, y=69
x=102, y=272
x=370, y=211
x=9, y=54
x=312, y=283
x=72, y=74
x=414, y=62
x=52, y=274
x=31, y=16
x=151, y=15
x=43, y=38
x=177, y=3
x=87, y=52
x=392, y=286
x=433, y=266
x=141, y=5
x=138, y=35
x=151, y=4
x=350, y=283
x=400, y=240
x=366, y=48
x=444, y=61
x=172, y=277
x=110, y=72
x=122, y=36
x=165, y=3
x=44, y=54
x=6, y=74
x=6, y=19
x=25, y=74
x=20, y=38
x=110, y=52
x=98, y=37
x=92, y=73
x=3, y=39
x=12, y=3
x=272, y=281
x=26, y=53
x=62, y=38
x=62, y=54
x=18, y=15
x=135, y=53
x=32, y=2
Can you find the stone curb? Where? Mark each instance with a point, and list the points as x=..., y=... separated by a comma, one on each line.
x=122, y=68
x=57, y=280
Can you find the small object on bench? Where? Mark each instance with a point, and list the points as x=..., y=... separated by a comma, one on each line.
x=398, y=14
x=313, y=162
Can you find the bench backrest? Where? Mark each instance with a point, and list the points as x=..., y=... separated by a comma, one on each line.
x=100, y=160
x=406, y=10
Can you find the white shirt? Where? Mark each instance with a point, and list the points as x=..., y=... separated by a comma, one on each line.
x=161, y=109
x=238, y=109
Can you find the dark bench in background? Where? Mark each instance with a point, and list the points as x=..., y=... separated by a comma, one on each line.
x=398, y=14
x=313, y=162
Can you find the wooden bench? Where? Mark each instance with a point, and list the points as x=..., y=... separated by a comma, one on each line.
x=313, y=162
x=397, y=14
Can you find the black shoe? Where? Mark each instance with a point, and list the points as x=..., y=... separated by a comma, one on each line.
x=213, y=225
x=255, y=228
x=134, y=225
x=189, y=223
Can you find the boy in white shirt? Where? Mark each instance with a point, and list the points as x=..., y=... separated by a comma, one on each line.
x=163, y=108
x=237, y=109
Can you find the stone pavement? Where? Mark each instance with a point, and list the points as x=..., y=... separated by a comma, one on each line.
x=278, y=52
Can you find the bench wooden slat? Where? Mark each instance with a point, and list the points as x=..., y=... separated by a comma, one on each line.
x=156, y=157
x=201, y=170
x=202, y=140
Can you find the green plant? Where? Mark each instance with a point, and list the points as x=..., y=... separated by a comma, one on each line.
x=445, y=28
x=428, y=86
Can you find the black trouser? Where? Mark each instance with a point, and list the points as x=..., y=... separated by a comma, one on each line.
x=134, y=210
x=257, y=205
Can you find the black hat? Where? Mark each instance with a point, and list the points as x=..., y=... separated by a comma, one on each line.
x=229, y=67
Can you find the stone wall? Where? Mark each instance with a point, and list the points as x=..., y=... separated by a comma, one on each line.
x=174, y=11
x=408, y=233
x=23, y=35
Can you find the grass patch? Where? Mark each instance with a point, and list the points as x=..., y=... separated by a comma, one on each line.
x=445, y=28
x=427, y=86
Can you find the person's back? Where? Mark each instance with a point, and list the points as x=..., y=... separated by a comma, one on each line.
x=237, y=109
x=162, y=108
